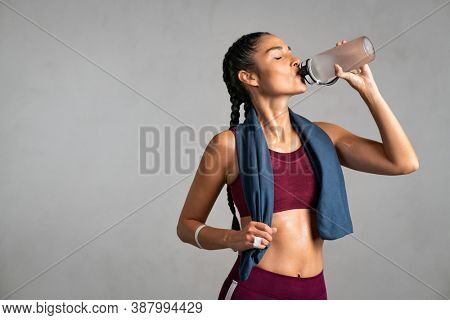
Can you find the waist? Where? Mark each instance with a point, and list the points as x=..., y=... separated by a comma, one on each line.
x=296, y=248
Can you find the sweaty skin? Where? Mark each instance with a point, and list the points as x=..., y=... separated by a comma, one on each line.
x=296, y=248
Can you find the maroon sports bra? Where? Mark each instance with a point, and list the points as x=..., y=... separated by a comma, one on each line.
x=294, y=182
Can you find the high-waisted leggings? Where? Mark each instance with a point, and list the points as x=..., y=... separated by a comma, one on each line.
x=266, y=285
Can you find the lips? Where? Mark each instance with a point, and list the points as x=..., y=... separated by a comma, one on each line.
x=301, y=78
x=298, y=74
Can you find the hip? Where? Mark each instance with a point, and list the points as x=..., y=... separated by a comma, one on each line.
x=267, y=285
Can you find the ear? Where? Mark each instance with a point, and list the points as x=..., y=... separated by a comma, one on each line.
x=249, y=78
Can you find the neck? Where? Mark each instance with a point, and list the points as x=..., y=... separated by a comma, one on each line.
x=273, y=115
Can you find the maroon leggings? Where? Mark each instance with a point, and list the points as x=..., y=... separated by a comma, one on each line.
x=265, y=285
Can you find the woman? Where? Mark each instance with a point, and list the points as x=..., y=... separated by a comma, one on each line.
x=261, y=72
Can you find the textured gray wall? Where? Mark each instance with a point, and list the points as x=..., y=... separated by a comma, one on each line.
x=78, y=79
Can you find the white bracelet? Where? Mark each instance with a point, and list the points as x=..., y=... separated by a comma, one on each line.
x=196, y=235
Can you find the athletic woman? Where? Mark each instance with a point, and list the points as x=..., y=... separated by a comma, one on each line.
x=261, y=72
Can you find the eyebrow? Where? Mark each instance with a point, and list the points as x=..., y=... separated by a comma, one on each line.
x=277, y=48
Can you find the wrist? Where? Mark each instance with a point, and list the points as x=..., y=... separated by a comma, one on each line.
x=228, y=239
x=369, y=91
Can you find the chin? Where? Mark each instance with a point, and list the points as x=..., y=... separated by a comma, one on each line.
x=302, y=90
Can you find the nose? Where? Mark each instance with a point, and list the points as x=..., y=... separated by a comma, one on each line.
x=296, y=62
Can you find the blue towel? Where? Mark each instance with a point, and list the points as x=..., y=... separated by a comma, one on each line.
x=256, y=174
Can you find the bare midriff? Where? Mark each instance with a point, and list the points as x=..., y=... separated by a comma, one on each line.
x=296, y=247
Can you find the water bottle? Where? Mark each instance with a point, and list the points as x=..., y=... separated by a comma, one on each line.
x=351, y=55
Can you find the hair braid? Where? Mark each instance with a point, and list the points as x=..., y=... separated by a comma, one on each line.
x=235, y=111
x=239, y=57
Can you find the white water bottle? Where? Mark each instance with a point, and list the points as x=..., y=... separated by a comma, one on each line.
x=351, y=55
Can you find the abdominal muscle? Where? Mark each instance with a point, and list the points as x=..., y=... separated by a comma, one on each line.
x=296, y=247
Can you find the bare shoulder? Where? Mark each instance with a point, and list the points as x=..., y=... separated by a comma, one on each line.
x=224, y=140
x=223, y=144
x=334, y=131
x=209, y=179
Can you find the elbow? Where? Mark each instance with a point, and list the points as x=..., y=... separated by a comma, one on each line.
x=410, y=167
x=179, y=232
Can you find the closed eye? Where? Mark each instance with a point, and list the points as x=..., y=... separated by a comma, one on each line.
x=278, y=58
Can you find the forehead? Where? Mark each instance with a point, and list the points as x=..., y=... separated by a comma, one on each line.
x=269, y=41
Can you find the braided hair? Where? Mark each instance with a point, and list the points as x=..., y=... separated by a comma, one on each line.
x=239, y=57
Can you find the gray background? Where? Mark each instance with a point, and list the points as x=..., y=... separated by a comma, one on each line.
x=79, y=78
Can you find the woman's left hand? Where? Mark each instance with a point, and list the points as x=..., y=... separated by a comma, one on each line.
x=360, y=79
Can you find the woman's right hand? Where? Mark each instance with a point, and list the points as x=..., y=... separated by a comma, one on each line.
x=243, y=239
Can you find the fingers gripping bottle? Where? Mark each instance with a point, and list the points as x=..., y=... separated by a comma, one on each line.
x=351, y=55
